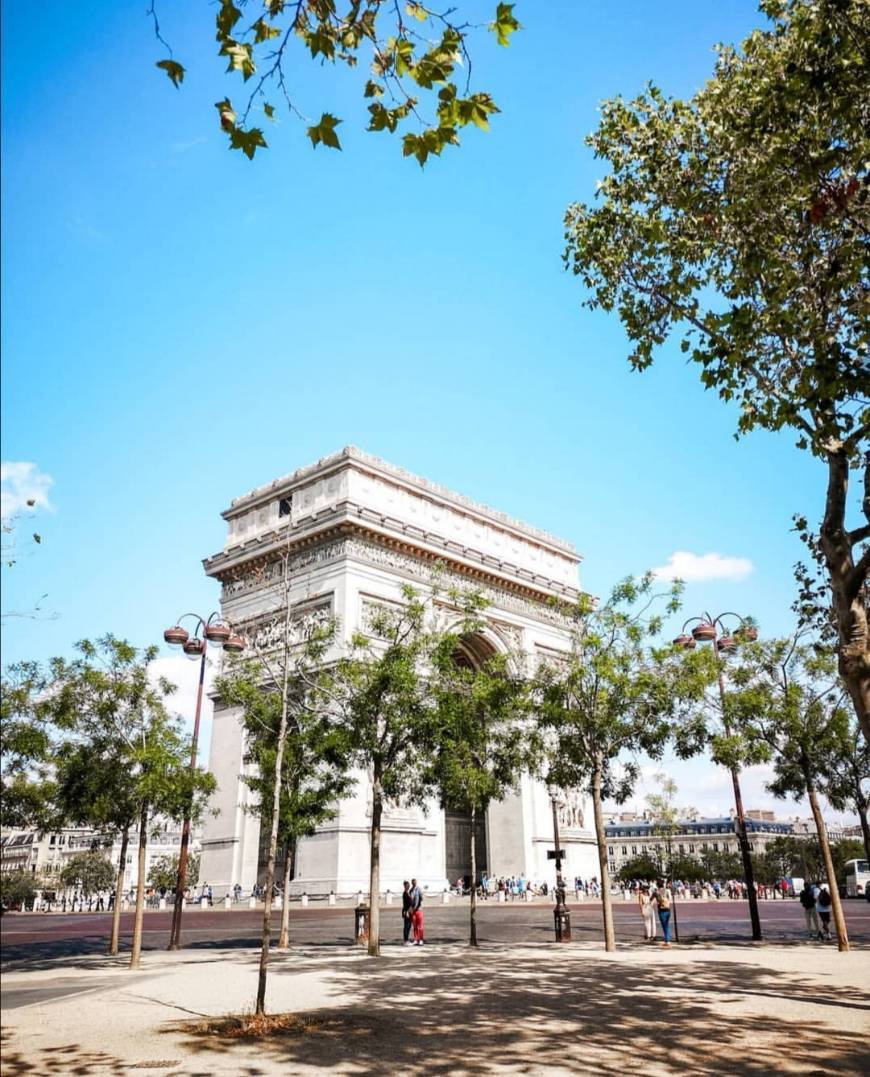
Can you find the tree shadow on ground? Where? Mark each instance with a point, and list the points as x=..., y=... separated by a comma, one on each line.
x=457, y=1016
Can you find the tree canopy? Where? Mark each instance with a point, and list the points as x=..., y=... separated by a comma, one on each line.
x=739, y=222
x=417, y=66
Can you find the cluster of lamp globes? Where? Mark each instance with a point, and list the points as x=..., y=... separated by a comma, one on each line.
x=194, y=646
x=705, y=632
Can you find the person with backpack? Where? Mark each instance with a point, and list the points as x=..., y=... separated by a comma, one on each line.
x=823, y=908
x=808, y=898
x=662, y=898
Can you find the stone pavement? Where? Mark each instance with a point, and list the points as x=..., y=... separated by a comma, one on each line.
x=445, y=1009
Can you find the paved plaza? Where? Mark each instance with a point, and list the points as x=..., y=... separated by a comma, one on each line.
x=522, y=1004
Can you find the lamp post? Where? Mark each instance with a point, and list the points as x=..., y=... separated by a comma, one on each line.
x=714, y=630
x=211, y=630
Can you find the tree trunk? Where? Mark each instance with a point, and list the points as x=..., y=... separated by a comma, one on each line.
x=821, y=830
x=848, y=585
x=861, y=803
x=119, y=890
x=375, y=867
x=273, y=843
x=472, y=936
x=284, y=935
x=140, y=889
x=606, y=903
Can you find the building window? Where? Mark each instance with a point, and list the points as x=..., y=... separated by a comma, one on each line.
x=691, y=848
x=610, y=850
x=284, y=506
x=703, y=846
x=625, y=850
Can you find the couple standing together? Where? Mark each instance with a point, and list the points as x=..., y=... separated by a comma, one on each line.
x=412, y=913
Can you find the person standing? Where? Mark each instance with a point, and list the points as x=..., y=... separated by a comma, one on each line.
x=808, y=898
x=647, y=912
x=407, y=911
x=417, y=913
x=823, y=909
x=663, y=902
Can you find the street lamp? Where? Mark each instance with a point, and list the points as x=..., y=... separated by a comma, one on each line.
x=211, y=630
x=714, y=630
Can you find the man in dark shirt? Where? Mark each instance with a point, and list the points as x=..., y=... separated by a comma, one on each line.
x=407, y=910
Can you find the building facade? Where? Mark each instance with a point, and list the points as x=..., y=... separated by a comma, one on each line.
x=356, y=530
x=630, y=836
x=45, y=853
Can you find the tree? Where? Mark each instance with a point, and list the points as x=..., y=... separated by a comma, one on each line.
x=788, y=700
x=313, y=765
x=739, y=220
x=112, y=714
x=483, y=737
x=614, y=693
x=844, y=775
x=644, y=866
x=664, y=814
x=17, y=889
x=163, y=872
x=381, y=699
x=88, y=872
x=414, y=54
x=26, y=749
x=95, y=787
x=722, y=865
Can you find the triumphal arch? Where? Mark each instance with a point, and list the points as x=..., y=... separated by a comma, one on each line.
x=357, y=529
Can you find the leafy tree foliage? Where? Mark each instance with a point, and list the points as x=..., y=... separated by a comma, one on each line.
x=313, y=764
x=644, y=866
x=844, y=774
x=417, y=58
x=739, y=221
x=483, y=735
x=26, y=750
x=122, y=750
x=163, y=873
x=17, y=889
x=787, y=700
x=381, y=698
x=615, y=693
x=88, y=872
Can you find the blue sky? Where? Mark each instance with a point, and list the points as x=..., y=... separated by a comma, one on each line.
x=180, y=324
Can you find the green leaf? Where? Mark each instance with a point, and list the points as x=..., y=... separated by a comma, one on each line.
x=505, y=24
x=247, y=141
x=226, y=19
x=373, y=89
x=269, y=110
x=240, y=57
x=264, y=31
x=174, y=71
x=325, y=132
x=416, y=11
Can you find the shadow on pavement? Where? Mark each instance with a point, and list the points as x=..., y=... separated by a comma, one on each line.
x=442, y=1018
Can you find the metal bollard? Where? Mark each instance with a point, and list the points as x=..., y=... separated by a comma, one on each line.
x=331, y=897
x=304, y=901
x=161, y=904
x=228, y=902
x=445, y=898
x=562, y=923
x=361, y=925
x=389, y=897
x=252, y=902
x=501, y=895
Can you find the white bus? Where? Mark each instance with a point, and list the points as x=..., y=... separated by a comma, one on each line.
x=857, y=878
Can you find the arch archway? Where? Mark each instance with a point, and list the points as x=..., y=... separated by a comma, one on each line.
x=471, y=653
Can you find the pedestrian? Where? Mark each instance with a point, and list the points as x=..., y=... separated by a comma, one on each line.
x=100, y=902
x=823, y=909
x=407, y=913
x=647, y=913
x=808, y=898
x=663, y=902
x=417, y=913
x=237, y=892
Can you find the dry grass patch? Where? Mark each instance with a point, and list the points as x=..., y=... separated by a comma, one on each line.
x=252, y=1026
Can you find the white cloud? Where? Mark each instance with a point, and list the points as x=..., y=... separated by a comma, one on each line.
x=694, y=567
x=21, y=482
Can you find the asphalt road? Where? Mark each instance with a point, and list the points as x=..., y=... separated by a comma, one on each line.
x=43, y=939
